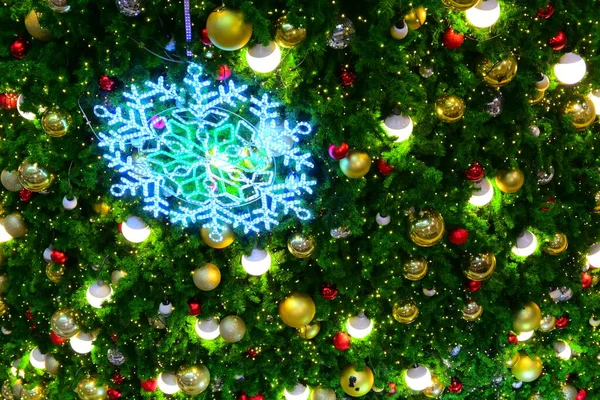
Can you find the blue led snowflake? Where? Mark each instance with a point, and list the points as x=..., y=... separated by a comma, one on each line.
x=195, y=158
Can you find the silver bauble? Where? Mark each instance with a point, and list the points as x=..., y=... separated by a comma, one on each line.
x=544, y=176
x=130, y=8
x=341, y=35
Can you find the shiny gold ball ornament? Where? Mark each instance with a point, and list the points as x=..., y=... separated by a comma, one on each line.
x=356, y=383
x=416, y=17
x=426, y=227
x=510, y=360
x=547, y=323
x=34, y=177
x=35, y=393
x=192, y=379
x=10, y=180
x=309, y=331
x=227, y=29
x=557, y=245
x=472, y=311
x=497, y=73
x=88, y=389
x=287, y=35
x=227, y=237
x=415, y=268
x=480, y=266
x=64, y=323
x=301, y=246
x=597, y=202
x=56, y=122
x=232, y=328
x=207, y=277
x=527, y=369
x=405, y=311
x=321, y=393
x=356, y=164
x=460, y=5
x=510, y=181
x=435, y=390
x=527, y=318
x=3, y=306
x=581, y=111
x=32, y=24
x=55, y=272
x=14, y=225
x=297, y=310
x=7, y=392
x=450, y=108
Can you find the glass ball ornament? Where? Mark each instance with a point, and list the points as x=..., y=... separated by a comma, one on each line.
x=497, y=73
x=208, y=329
x=207, y=277
x=359, y=326
x=581, y=111
x=37, y=359
x=545, y=176
x=562, y=349
x=322, y=393
x=472, y=311
x=69, y=202
x=483, y=193
x=263, y=59
x=34, y=177
x=527, y=369
x=232, y=328
x=130, y=8
x=435, y=390
x=287, y=35
x=115, y=356
x=460, y=5
x=64, y=323
x=257, y=263
x=480, y=266
x=227, y=29
x=32, y=24
x=297, y=310
x=98, y=293
x=382, y=219
x=301, y=246
x=356, y=164
x=341, y=232
x=398, y=126
x=426, y=71
x=426, y=228
x=135, y=230
x=214, y=241
x=193, y=379
x=527, y=318
x=484, y=14
x=450, y=108
x=416, y=17
x=557, y=245
x=56, y=122
x=570, y=69
x=547, y=323
x=418, y=378
x=495, y=107
x=399, y=30
x=356, y=382
x=405, y=311
x=309, y=331
x=51, y=364
x=82, y=343
x=415, y=268
x=35, y=393
x=59, y=6
x=342, y=33
x=167, y=383
x=525, y=245
x=14, y=225
x=55, y=272
x=10, y=181
x=88, y=388
x=534, y=130
x=510, y=181
x=299, y=392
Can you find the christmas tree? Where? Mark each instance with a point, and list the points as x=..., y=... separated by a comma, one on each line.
x=299, y=200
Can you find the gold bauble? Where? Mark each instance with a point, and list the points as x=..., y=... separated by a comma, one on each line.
x=207, y=277
x=435, y=390
x=597, y=200
x=415, y=268
x=227, y=29
x=3, y=280
x=14, y=225
x=426, y=228
x=510, y=360
x=10, y=180
x=472, y=311
x=32, y=24
x=309, y=331
x=192, y=379
x=450, y=108
x=582, y=112
x=321, y=393
x=55, y=272
x=480, y=266
x=227, y=240
x=510, y=181
x=557, y=245
x=537, y=96
x=498, y=73
x=3, y=306
x=101, y=208
x=287, y=35
x=52, y=365
x=297, y=310
x=527, y=369
x=547, y=323
x=88, y=389
x=356, y=164
x=416, y=17
x=301, y=246
x=56, y=122
x=232, y=328
x=460, y=5
x=527, y=318
x=405, y=311
x=356, y=383
x=64, y=322
x=35, y=393
x=34, y=177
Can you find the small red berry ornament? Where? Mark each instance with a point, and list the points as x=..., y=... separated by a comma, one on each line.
x=58, y=257
x=150, y=385
x=456, y=386
x=251, y=352
x=458, y=236
x=384, y=168
x=475, y=172
x=586, y=280
x=472, y=286
x=25, y=194
x=117, y=378
x=204, y=38
x=347, y=74
x=341, y=341
x=114, y=394
x=559, y=41
x=581, y=394
x=512, y=338
x=338, y=152
x=8, y=101
x=195, y=306
x=329, y=291
x=224, y=72
x=562, y=322
x=19, y=48
x=452, y=39
x=546, y=12
x=57, y=339
x=106, y=83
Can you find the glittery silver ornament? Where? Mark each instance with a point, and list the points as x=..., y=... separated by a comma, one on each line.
x=59, y=6
x=115, y=356
x=561, y=294
x=494, y=107
x=425, y=71
x=455, y=350
x=498, y=379
x=130, y=8
x=534, y=130
x=340, y=233
x=342, y=34
x=217, y=385
x=544, y=176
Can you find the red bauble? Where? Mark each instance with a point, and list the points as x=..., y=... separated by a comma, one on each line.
x=19, y=48
x=195, y=306
x=257, y=397
x=117, y=378
x=472, y=286
x=29, y=315
x=586, y=280
x=338, y=152
x=58, y=257
x=251, y=352
x=224, y=72
x=456, y=385
x=347, y=74
x=341, y=341
x=549, y=205
x=242, y=396
x=57, y=339
x=384, y=168
x=392, y=388
x=114, y=337
x=329, y=291
x=8, y=101
x=559, y=41
x=581, y=394
x=114, y=394
x=25, y=194
x=562, y=322
x=512, y=338
x=451, y=39
x=458, y=236
x=204, y=38
x=106, y=83
x=150, y=385
x=546, y=12
x=475, y=172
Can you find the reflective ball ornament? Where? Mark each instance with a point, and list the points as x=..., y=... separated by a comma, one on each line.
x=416, y=17
x=527, y=369
x=581, y=111
x=301, y=246
x=460, y=5
x=32, y=24
x=499, y=73
x=227, y=239
x=547, y=323
x=405, y=311
x=232, y=328
x=309, y=331
x=34, y=177
x=10, y=181
x=207, y=277
x=435, y=390
x=480, y=266
x=356, y=383
x=14, y=225
x=88, y=389
x=64, y=323
x=510, y=181
x=527, y=318
x=415, y=268
x=130, y=8
x=35, y=393
x=450, y=108
x=426, y=228
x=356, y=165
x=55, y=272
x=227, y=29
x=511, y=360
x=321, y=393
x=341, y=35
x=545, y=176
x=192, y=379
x=557, y=245
x=56, y=122
x=297, y=310
x=59, y=6
x=287, y=35
x=472, y=311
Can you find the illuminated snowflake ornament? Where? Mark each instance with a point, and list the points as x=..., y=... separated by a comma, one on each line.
x=194, y=157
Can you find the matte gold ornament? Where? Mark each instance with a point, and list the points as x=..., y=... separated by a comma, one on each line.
x=581, y=111
x=10, y=180
x=356, y=383
x=527, y=318
x=14, y=225
x=527, y=369
x=3, y=306
x=510, y=181
x=101, y=208
x=301, y=246
x=472, y=311
x=426, y=227
x=35, y=393
x=405, y=311
x=192, y=379
x=32, y=24
x=511, y=360
x=55, y=272
x=309, y=331
x=415, y=268
x=499, y=73
x=228, y=238
x=207, y=277
x=450, y=108
x=287, y=35
x=34, y=177
x=547, y=323
x=64, y=323
x=89, y=389
x=321, y=393
x=356, y=164
x=227, y=29
x=232, y=328
x=460, y=5
x=416, y=17
x=297, y=310
x=480, y=266
x=435, y=390
x=557, y=245
x=56, y=122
